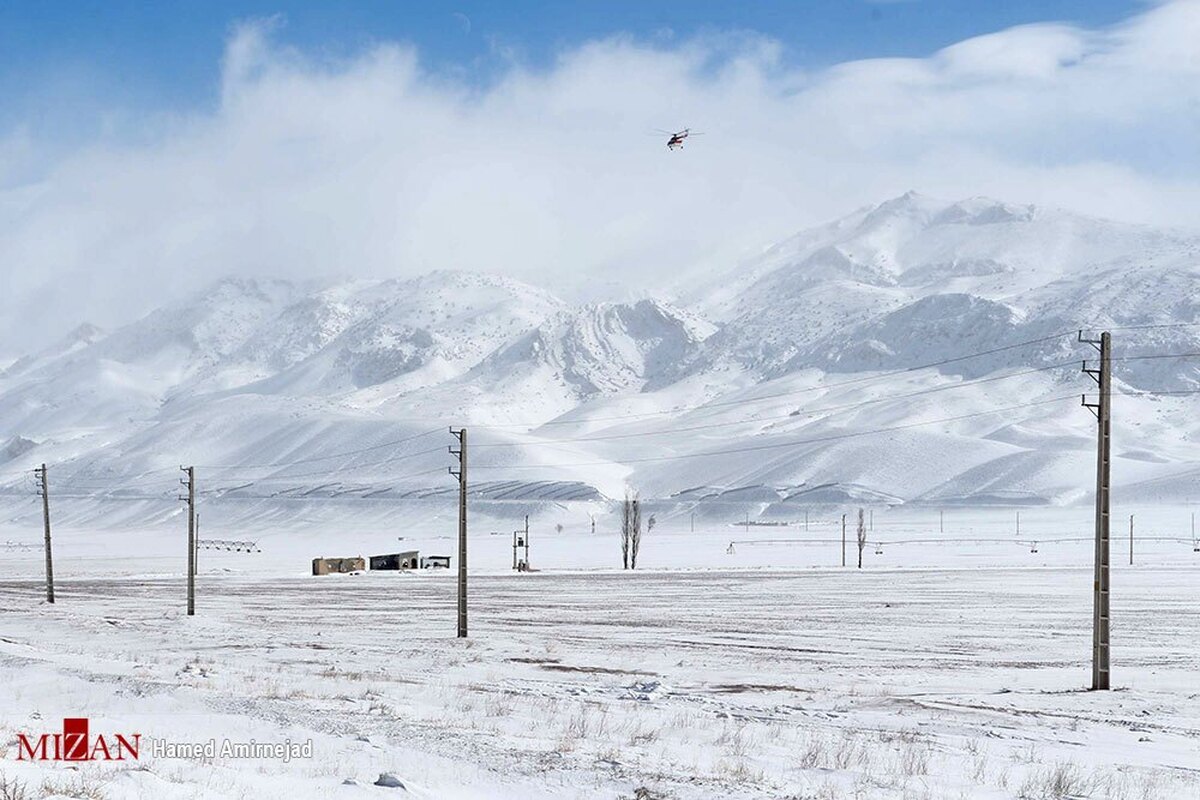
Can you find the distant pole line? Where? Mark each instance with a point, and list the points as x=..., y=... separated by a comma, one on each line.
x=229, y=545
x=955, y=540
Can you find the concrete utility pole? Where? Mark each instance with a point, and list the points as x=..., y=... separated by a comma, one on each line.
x=1102, y=408
x=941, y=522
x=461, y=474
x=190, y=483
x=44, y=491
x=843, y=540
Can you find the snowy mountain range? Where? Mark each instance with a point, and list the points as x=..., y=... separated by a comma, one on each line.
x=842, y=364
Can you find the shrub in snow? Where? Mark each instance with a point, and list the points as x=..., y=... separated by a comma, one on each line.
x=389, y=780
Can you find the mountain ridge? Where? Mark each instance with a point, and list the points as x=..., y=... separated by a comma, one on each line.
x=577, y=401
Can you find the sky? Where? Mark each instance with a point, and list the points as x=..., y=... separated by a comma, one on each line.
x=147, y=149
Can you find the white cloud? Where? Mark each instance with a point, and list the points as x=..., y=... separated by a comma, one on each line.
x=373, y=166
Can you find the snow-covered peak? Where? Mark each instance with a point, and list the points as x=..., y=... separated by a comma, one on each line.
x=910, y=206
x=814, y=299
x=983, y=211
x=78, y=338
x=603, y=348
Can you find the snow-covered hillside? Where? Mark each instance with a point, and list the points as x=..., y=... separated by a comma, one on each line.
x=914, y=279
x=829, y=370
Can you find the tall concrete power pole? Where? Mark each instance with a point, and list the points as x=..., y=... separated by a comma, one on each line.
x=1102, y=408
x=461, y=474
x=44, y=491
x=190, y=483
x=843, y=540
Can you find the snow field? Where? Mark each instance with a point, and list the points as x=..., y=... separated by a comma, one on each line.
x=767, y=678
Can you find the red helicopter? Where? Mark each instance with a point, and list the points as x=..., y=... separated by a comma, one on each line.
x=676, y=138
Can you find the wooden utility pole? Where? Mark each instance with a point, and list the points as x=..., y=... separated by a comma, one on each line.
x=190, y=483
x=1102, y=408
x=461, y=474
x=45, y=493
x=843, y=540
x=941, y=521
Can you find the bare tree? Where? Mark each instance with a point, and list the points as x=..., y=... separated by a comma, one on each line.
x=631, y=523
x=862, y=536
x=636, y=541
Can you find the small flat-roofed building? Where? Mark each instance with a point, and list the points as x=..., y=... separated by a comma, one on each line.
x=409, y=559
x=331, y=566
x=428, y=562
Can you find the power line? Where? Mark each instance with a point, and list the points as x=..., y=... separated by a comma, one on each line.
x=84, y=480
x=844, y=406
x=372, y=465
x=1148, y=356
x=777, y=445
x=356, y=451
x=837, y=384
x=213, y=493
x=789, y=415
x=329, y=456
x=1156, y=393
x=396, y=479
x=821, y=387
x=1151, y=326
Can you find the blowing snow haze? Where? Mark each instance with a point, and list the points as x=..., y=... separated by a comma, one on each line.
x=829, y=369
x=373, y=161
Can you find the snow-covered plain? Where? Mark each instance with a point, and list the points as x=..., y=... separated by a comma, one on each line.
x=953, y=665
